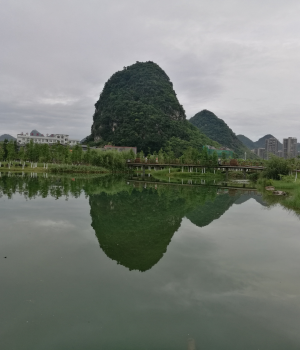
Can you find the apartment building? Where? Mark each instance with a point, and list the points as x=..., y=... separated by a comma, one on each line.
x=280, y=153
x=290, y=147
x=271, y=147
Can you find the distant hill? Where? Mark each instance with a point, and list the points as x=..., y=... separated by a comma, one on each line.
x=262, y=141
x=259, y=143
x=139, y=107
x=217, y=130
x=8, y=137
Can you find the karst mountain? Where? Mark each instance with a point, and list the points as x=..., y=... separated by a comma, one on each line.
x=139, y=107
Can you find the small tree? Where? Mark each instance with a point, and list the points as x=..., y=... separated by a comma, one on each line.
x=76, y=154
x=171, y=156
x=29, y=153
x=5, y=143
x=161, y=155
x=11, y=153
x=21, y=154
x=204, y=154
x=79, y=153
x=36, y=152
x=215, y=158
x=44, y=153
x=87, y=156
x=297, y=166
x=131, y=154
x=1, y=153
x=275, y=167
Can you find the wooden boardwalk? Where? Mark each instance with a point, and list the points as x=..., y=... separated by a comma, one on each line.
x=191, y=168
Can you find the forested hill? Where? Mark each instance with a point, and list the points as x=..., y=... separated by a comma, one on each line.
x=138, y=107
x=216, y=129
x=246, y=141
x=7, y=137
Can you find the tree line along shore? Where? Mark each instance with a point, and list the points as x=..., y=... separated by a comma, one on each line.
x=278, y=172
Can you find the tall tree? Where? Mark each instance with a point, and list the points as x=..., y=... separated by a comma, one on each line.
x=29, y=153
x=5, y=143
x=21, y=154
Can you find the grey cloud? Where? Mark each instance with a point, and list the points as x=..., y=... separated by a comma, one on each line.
x=237, y=58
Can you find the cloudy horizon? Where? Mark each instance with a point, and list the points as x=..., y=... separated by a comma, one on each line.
x=235, y=58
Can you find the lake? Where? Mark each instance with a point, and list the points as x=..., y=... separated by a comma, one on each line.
x=108, y=263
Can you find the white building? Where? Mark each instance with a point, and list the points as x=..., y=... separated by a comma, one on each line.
x=37, y=137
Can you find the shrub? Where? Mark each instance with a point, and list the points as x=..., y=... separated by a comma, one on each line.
x=276, y=167
x=253, y=177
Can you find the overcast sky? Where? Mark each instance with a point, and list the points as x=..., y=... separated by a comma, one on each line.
x=237, y=58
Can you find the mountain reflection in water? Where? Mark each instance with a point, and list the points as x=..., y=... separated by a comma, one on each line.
x=133, y=222
x=134, y=228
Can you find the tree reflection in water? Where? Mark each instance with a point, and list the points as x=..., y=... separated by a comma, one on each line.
x=133, y=222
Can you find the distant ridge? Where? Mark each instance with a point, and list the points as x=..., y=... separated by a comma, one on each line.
x=35, y=133
x=259, y=143
x=7, y=137
x=262, y=141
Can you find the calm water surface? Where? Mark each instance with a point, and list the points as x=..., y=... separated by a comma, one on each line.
x=108, y=264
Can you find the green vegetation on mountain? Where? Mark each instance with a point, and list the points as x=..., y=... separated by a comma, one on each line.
x=246, y=141
x=135, y=227
x=138, y=107
x=217, y=130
